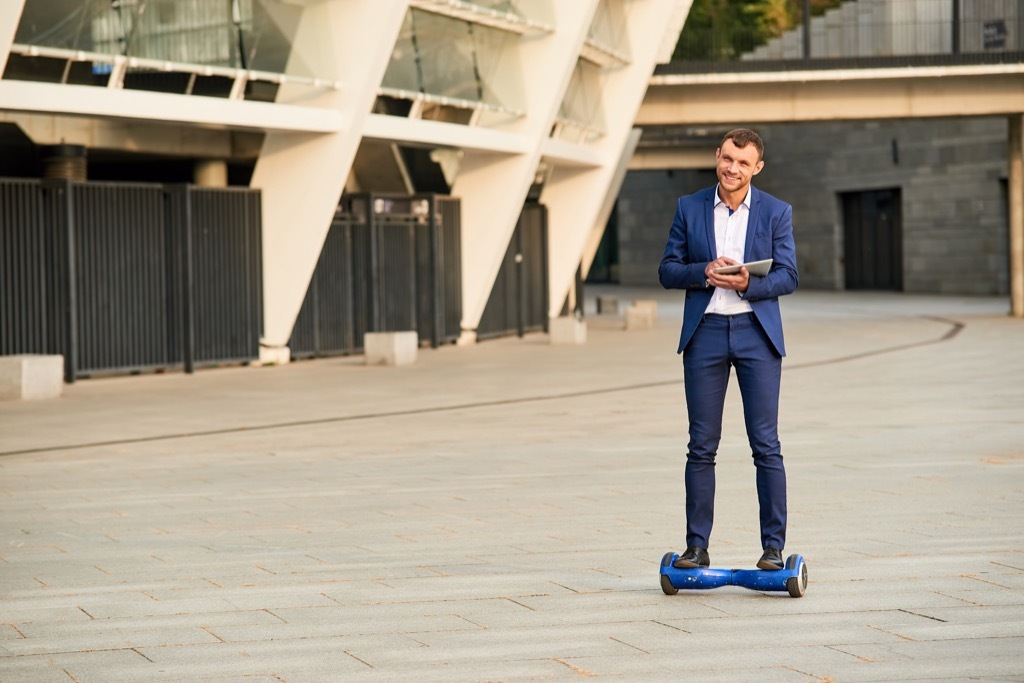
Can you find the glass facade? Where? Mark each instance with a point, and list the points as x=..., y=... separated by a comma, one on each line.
x=169, y=44
x=580, y=116
x=449, y=58
x=608, y=29
x=228, y=33
x=458, y=57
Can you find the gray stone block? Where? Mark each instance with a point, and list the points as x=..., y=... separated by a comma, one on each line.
x=640, y=317
x=568, y=330
x=607, y=305
x=390, y=348
x=31, y=377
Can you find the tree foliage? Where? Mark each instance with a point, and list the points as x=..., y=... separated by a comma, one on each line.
x=726, y=29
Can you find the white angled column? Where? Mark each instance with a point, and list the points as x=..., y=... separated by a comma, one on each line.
x=302, y=176
x=1015, y=183
x=493, y=187
x=575, y=197
x=10, y=15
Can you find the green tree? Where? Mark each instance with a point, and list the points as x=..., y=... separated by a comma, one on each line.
x=726, y=29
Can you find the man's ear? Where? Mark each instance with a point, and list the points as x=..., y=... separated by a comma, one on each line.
x=757, y=169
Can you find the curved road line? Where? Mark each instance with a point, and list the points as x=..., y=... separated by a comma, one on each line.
x=954, y=329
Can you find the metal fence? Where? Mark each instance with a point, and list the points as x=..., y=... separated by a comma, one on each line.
x=227, y=270
x=388, y=264
x=331, y=321
x=851, y=34
x=120, y=277
x=28, y=290
x=519, y=299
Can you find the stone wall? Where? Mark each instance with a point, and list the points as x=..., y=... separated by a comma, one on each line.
x=646, y=205
x=951, y=174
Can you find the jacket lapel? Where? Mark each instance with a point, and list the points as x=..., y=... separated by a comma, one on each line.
x=753, y=223
x=709, y=222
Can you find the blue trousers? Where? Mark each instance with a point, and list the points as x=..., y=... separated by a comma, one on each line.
x=720, y=343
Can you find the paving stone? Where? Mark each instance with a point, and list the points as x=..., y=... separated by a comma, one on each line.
x=115, y=666
x=106, y=638
x=499, y=513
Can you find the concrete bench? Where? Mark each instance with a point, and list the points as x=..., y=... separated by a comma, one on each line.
x=639, y=318
x=651, y=304
x=607, y=305
x=642, y=314
x=390, y=348
x=31, y=377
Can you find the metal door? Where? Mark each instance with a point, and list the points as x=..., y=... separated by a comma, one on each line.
x=873, y=240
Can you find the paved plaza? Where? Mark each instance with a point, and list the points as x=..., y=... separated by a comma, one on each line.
x=498, y=512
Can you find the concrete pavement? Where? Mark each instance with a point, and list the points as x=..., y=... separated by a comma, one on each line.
x=498, y=512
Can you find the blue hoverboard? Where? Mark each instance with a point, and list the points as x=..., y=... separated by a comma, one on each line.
x=792, y=578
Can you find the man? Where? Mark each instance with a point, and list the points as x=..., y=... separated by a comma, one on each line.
x=732, y=320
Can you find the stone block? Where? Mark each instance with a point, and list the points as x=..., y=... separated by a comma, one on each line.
x=568, y=330
x=390, y=348
x=640, y=318
x=31, y=377
x=607, y=305
x=648, y=304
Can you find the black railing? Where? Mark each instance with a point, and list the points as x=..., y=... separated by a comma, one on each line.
x=193, y=47
x=519, y=298
x=389, y=264
x=823, y=34
x=332, y=321
x=120, y=277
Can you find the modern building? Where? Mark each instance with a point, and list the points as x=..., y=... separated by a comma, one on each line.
x=893, y=127
x=194, y=182
x=292, y=120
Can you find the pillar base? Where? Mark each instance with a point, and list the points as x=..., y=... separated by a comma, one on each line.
x=569, y=330
x=275, y=355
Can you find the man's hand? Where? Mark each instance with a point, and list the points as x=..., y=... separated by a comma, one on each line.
x=736, y=281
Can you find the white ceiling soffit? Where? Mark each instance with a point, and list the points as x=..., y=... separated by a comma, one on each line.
x=83, y=100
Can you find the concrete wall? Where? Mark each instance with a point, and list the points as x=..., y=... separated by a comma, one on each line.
x=951, y=174
x=646, y=205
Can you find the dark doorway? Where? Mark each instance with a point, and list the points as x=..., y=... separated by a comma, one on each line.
x=873, y=239
x=1004, y=191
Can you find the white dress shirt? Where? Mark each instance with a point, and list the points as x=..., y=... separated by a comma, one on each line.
x=730, y=240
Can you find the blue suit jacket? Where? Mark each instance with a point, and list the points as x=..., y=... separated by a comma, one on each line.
x=691, y=246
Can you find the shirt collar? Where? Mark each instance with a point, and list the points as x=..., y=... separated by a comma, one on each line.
x=745, y=202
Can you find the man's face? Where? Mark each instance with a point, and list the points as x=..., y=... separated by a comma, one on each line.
x=736, y=166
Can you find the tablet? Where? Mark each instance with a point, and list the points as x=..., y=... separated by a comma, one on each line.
x=754, y=268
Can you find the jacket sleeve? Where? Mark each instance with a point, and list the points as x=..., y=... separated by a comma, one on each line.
x=783, y=277
x=676, y=271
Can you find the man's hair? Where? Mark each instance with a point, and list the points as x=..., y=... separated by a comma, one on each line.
x=741, y=137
